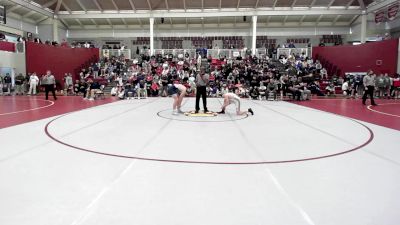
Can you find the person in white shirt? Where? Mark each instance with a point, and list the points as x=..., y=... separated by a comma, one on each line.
x=231, y=98
x=33, y=82
x=346, y=88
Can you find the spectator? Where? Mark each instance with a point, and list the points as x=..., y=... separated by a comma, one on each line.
x=7, y=84
x=33, y=82
x=19, y=81
x=49, y=85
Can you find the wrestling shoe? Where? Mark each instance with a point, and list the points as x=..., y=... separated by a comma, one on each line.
x=180, y=111
x=174, y=112
x=221, y=112
x=251, y=111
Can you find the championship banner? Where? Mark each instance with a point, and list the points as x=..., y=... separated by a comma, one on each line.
x=392, y=11
x=380, y=17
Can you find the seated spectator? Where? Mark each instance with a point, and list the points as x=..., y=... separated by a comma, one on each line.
x=315, y=88
x=129, y=91
x=141, y=89
x=272, y=89
x=330, y=89
x=346, y=89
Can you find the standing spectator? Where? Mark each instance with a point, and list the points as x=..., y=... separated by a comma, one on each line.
x=369, y=84
x=388, y=85
x=7, y=84
x=1, y=84
x=68, y=84
x=380, y=86
x=33, y=82
x=19, y=81
x=202, y=80
x=50, y=84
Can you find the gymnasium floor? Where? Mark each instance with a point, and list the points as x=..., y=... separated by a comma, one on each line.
x=322, y=162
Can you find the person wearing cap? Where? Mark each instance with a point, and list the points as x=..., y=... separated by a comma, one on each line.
x=231, y=98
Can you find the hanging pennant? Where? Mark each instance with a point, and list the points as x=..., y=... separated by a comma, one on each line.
x=392, y=11
x=380, y=17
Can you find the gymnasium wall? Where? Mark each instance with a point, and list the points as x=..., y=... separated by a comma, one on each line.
x=13, y=60
x=360, y=58
x=60, y=60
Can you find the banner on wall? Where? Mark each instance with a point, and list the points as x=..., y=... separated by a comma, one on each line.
x=380, y=17
x=392, y=11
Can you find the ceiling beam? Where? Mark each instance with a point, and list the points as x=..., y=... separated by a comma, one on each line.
x=213, y=13
x=336, y=19
x=109, y=22
x=302, y=19
x=98, y=5
x=115, y=5
x=293, y=4
x=28, y=14
x=132, y=5
x=349, y=4
x=48, y=4
x=33, y=7
x=13, y=8
x=124, y=21
x=275, y=1
x=93, y=21
x=79, y=22
x=256, y=5
x=184, y=5
x=362, y=4
x=43, y=18
x=284, y=20
x=81, y=5
x=238, y=4
x=65, y=23
x=58, y=6
x=331, y=3
x=319, y=19
x=166, y=4
x=148, y=2
x=66, y=7
x=313, y=3
x=354, y=19
x=375, y=6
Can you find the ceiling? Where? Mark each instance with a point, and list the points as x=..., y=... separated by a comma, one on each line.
x=43, y=9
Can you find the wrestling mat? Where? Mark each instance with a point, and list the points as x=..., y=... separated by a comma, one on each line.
x=201, y=114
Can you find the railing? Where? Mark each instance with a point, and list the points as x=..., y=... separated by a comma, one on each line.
x=214, y=53
x=116, y=52
x=292, y=51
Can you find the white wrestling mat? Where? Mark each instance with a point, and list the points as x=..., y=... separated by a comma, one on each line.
x=133, y=162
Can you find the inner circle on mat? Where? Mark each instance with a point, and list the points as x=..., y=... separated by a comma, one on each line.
x=20, y=105
x=273, y=135
x=190, y=116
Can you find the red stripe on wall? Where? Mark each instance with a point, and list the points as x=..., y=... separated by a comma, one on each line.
x=60, y=60
x=360, y=58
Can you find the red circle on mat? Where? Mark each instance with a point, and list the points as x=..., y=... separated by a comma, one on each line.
x=371, y=137
x=25, y=108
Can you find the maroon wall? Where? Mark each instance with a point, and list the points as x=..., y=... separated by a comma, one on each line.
x=360, y=58
x=60, y=60
x=7, y=46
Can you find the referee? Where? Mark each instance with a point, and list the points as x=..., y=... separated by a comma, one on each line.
x=369, y=84
x=202, y=80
